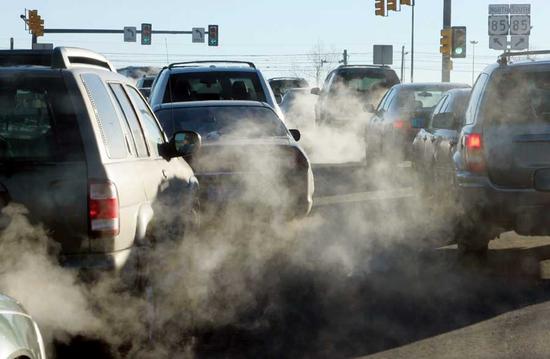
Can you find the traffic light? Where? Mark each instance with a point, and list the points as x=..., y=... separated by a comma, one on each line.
x=446, y=41
x=35, y=22
x=380, y=7
x=146, y=32
x=392, y=5
x=459, y=41
x=213, y=35
x=407, y=2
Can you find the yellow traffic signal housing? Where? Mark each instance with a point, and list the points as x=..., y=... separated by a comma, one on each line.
x=446, y=41
x=392, y=5
x=380, y=7
x=407, y=2
x=35, y=22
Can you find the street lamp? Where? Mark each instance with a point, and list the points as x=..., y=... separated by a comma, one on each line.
x=474, y=43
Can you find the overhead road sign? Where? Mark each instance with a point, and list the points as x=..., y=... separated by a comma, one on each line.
x=498, y=25
x=498, y=42
x=519, y=42
x=198, y=34
x=520, y=9
x=499, y=9
x=130, y=34
x=520, y=24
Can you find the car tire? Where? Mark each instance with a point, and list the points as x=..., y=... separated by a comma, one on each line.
x=474, y=242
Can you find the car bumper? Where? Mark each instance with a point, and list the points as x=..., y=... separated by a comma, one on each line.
x=112, y=261
x=527, y=211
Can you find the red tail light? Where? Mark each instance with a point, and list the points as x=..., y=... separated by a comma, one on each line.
x=474, y=152
x=401, y=124
x=103, y=209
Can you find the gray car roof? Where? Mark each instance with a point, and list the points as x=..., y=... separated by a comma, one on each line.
x=434, y=85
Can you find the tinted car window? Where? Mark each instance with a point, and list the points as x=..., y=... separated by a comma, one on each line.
x=518, y=97
x=131, y=118
x=475, y=97
x=202, y=86
x=359, y=79
x=37, y=120
x=213, y=122
x=106, y=116
x=153, y=133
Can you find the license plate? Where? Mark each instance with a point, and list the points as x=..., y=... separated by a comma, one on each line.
x=220, y=193
x=542, y=180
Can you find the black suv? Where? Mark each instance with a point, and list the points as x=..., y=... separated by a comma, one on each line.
x=502, y=158
x=348, y=89
x=83, y=152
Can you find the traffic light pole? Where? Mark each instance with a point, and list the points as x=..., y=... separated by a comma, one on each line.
x=446, y=59
x=111, y=31
x=412, y=42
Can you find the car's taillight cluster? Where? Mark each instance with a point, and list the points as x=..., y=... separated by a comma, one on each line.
x=402, y=125
x=473, y=143
x=103, y=209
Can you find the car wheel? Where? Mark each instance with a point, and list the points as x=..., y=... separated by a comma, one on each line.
x=474, y=242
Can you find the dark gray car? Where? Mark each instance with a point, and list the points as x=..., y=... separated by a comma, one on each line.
x=403, y=110
x=248, y=154
x=502, y=161
x=83, y=152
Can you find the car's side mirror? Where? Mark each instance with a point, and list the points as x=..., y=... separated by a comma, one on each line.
x=369, y=108
x=182, y=144
x=295, y=134
x=444, y=120
x=316, y=91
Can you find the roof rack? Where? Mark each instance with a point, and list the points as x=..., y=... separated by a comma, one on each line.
x=287, y=78
x=363, y=66
x=58, y=58
x=503, y=59
x=190, y=63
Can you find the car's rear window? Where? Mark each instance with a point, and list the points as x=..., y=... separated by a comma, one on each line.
x=37, y=119
x=364, y=79
x=223, y=121
x=416, y=100
x=214, y=85
x=518, y=96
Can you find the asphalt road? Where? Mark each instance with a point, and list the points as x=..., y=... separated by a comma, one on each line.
x=368, y=280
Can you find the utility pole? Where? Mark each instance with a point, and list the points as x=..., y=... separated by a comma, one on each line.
x=11, y=43
x=446, y=59
x=403, y=53
x=412, y=41
x=474, y=43
x=345, y=58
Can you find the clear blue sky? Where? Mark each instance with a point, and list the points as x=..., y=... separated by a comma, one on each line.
x=278, y=34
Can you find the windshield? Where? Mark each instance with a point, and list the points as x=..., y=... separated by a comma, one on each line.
x=215, y=122
x=522, y=97
x=204, y=86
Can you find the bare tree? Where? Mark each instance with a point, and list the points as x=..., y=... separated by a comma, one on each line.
x=322, y=61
